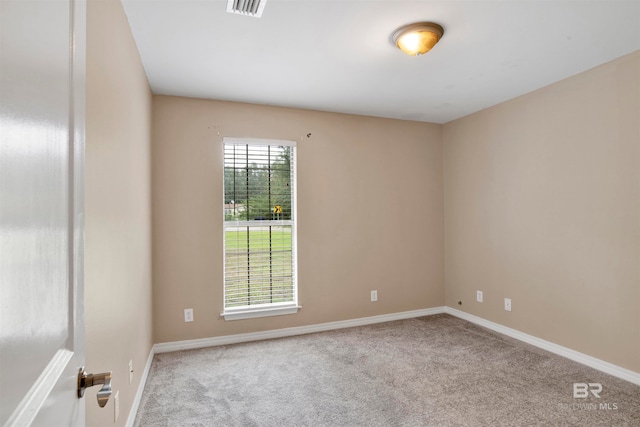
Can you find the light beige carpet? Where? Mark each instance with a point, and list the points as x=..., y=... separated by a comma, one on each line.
x=430, y=371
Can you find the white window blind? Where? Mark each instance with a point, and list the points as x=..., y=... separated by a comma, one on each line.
x=259, y=227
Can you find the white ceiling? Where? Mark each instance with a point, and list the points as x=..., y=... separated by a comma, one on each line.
x=337, y=56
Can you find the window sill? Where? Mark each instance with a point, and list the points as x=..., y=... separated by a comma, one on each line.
x=248, y=313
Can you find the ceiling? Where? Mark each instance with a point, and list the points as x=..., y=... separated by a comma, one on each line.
x=337, y=56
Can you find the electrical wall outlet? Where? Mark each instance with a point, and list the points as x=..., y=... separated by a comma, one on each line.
x=188, y=315
x=130, y=371
x=116, y=406
x=374, y=296
x=479, y=296
x=507, y=304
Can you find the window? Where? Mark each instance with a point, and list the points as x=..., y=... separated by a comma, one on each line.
x=259, y=228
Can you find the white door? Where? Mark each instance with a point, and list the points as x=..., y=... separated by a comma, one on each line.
x=41, y=157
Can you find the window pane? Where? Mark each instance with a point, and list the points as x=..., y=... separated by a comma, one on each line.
x=257, y=182
x=258, y=265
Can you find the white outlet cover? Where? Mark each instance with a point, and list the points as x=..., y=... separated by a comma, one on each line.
x=188, y=315
x=374, y=296
x=479, y=296
x=507, y=304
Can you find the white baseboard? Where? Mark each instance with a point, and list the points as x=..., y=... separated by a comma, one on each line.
x=138, y=397
x=601, y=365
x=287, y=332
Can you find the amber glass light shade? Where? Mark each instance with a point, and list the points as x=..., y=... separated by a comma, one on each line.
x=417, y=39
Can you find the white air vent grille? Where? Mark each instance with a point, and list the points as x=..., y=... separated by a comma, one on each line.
x=246, y=7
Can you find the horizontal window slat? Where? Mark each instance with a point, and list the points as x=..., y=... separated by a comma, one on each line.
x=241, y=296
x=274, y=292
x=264, y=224
x=258, y=293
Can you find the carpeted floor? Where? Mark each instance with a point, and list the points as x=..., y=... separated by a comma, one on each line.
x=431, y=371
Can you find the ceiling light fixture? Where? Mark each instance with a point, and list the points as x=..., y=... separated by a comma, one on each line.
x=417, y=39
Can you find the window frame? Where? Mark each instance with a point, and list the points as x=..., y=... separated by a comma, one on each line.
x=268, y=309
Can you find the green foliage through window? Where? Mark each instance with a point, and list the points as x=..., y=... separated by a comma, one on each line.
x=257, y=179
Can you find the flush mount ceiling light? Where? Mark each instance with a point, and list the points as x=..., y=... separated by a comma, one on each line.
x=417, y=39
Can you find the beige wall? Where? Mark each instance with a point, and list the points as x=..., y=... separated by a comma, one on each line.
x=118, y=209
x=369, y=214
x=542, y=205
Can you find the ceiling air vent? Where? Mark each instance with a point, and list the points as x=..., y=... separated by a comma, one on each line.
x=246, y=7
